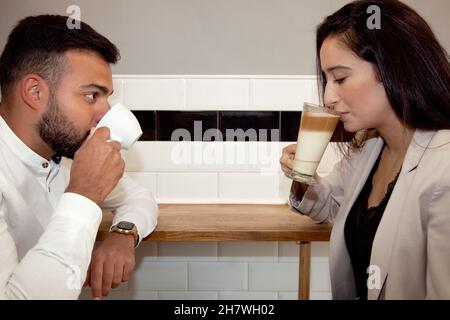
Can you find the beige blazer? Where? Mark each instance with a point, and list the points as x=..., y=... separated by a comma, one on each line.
x=410, y=256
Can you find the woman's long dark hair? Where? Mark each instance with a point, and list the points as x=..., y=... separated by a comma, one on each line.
x=413, y=67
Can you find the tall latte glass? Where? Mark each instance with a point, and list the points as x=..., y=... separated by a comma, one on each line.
x=316, y=129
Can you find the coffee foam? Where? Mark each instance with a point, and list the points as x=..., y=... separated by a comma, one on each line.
x=318, y=121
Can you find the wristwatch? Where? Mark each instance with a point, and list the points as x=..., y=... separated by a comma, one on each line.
x=125, y=227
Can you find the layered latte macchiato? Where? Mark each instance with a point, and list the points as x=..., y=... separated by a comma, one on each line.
x=316, y=129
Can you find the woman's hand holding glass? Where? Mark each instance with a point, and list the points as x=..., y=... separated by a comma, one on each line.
x=287, y=159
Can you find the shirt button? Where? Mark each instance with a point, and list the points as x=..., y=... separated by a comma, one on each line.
x=45, y=165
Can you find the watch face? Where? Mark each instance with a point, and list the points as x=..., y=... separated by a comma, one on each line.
x=126, y=225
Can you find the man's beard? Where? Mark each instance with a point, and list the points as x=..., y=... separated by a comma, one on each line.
x=59, y=132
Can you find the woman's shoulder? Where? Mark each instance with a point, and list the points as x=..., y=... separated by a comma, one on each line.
x=435, y=159
x=442, y=137
x=438, y=143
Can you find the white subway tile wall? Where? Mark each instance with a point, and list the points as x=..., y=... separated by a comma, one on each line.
x=217, y=172
x=146, y=179
x=154, y=94
x=186, y=186
x=117, y=96
x=280, y=94
x=154, y=276
x=288, y=252
x=223, y=276
x=273, y=276
x=222, y=270
x=315, y=92
x=217, y=94
x=148, y=251
x=236, y=251
x=198, y=251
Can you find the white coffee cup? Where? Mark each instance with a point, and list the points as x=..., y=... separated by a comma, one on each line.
x=123, y=125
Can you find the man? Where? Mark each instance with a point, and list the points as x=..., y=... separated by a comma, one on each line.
x=55, y=83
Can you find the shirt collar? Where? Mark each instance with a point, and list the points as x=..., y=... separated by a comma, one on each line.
x=31, y=159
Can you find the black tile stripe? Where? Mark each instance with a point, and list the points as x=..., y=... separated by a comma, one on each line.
x=185, y=125
x=161, y=125
x=249, y=125
x=147, y=121
x=290, y=122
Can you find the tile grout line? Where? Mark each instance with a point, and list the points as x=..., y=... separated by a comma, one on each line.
x=187, y=276
x=155, y=119
x=279, y=126
x=248, y=276
x=184, y=94
x=250, y=93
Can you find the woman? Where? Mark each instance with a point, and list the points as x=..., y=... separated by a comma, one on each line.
x=389, y=197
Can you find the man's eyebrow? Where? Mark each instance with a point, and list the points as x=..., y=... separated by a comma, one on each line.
x=103, y=89
x=331, y=69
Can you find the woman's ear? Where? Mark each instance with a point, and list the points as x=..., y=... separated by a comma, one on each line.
x=34, y=91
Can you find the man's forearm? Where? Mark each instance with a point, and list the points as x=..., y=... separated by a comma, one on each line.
x=131, y=202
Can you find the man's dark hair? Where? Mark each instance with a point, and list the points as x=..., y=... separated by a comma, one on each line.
x=408, y=59
x=37, y=45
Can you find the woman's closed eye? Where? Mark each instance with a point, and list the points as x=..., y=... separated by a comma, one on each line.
x=340, y=80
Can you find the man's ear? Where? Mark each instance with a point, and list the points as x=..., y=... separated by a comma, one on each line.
x=34, y=91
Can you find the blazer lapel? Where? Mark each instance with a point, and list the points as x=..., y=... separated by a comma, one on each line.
x=339, y=257
x=385, y=236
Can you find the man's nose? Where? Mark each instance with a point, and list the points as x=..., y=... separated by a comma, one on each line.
x=102, y=111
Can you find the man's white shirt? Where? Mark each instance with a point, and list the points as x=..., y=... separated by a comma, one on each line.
x=47, y=235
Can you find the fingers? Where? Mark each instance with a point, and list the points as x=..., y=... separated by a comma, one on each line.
x=287, y=158
x=290, y=149
x=287, y=161
x=118, y=275
x=108, y=274
x=102, y=279
x=127, y=270
x=91, y=133
x=285, y=169
x=115, y=144
x=112, y=263
x=102, y=133
x=96, y=279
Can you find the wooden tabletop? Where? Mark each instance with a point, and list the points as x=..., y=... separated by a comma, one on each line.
x=228, y=222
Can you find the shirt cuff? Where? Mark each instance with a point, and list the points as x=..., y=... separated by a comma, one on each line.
x=295, y=203
x=81, y=209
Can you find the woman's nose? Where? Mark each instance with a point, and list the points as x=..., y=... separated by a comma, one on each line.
x=330, y=98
